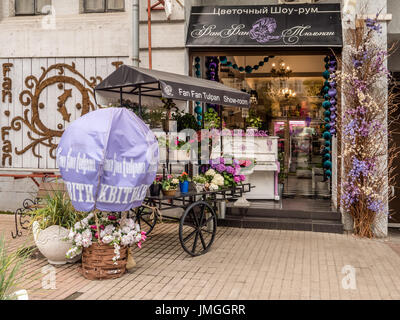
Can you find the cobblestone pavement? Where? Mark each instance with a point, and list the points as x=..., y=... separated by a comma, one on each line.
x=242, y=264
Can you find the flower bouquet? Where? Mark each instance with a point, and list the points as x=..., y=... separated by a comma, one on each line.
x=103, y=240
x=170, y=185
x=230, y=170
x=215, y=181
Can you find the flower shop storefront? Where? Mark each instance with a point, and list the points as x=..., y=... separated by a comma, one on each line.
x=283, y=56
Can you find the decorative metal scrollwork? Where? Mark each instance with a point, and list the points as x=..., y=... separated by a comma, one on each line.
x=21, y=216
x=30, y=98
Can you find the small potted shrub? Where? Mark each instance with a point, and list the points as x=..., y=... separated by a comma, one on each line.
x=51, y=224
x=170, y=185
x=199, y=182
x=155, y=187
x=184, y=182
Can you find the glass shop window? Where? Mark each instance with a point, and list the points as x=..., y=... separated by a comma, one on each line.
x=103, y=5
x=31, y=7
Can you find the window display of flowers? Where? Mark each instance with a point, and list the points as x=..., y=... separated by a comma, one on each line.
x=115, y=231
x=170, y=183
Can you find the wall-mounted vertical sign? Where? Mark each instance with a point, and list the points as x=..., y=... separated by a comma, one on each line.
x=305, y=25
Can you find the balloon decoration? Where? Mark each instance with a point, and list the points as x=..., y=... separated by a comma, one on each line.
x=198, y=109
x=329, y=91
x=248, y=69
x=212, y=74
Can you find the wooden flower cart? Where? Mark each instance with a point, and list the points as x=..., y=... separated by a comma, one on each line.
x=197, y=224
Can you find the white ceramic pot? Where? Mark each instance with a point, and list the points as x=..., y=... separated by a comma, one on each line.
x=51, y=243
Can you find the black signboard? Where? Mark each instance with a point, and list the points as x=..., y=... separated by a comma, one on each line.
x=301, y=25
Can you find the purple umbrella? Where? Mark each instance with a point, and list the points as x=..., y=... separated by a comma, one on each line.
x=107, y=159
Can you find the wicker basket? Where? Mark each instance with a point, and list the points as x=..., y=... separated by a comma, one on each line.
x=169, y=192
x=97, y=262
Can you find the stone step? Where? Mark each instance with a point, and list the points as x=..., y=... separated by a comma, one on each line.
x=281, y=213
x=328, y=226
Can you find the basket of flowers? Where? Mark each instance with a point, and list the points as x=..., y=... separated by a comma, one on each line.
x=103, y=239
x=170, y=185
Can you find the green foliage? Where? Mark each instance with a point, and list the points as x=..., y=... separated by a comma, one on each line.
x=10, y=269
x=211, y=119
x=253, y=120
x=186, y=121
x=57, y=210
x=169, y=105
x=282, y=175
x=155, y=117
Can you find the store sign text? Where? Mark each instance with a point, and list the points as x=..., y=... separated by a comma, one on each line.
x=266, y=10
x=289, y=36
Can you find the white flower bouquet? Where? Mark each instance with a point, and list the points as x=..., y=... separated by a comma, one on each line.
x=114, y=231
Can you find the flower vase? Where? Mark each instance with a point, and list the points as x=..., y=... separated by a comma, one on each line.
x=184, y=186
x=155, y=189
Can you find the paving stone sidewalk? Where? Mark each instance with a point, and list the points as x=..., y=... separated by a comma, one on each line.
x=242, y=264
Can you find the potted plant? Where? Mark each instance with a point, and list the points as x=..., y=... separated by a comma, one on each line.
x=211, y=119
x=254, y=122
x=51, y=224
x=170, y=185
x=186, y=121
x=184, y=182
x=155, y=187
x=103, y=239
x=199, y=182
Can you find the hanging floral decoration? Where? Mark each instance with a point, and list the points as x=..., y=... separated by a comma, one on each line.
x=367, y=156
x=212, y=65
x=198, y=109
x=329, y=92
x=248, y=69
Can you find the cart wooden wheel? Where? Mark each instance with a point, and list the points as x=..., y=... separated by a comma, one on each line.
x=145, y=219
x=197, y=228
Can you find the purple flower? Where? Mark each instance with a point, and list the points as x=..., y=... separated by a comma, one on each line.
x=242, y=177
x=220, y=167
x=230, y=170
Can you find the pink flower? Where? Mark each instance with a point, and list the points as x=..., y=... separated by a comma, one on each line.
x=236, y=179
x=112, y=218
x=139, y=244
x=96, y=235
x=242, y=177
x=93, y=227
